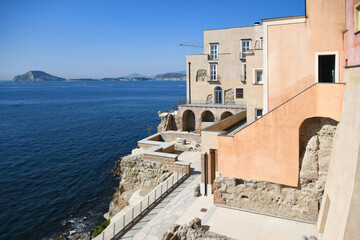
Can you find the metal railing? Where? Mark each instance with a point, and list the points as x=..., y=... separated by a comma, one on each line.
x=198, y=103
x=209, y=79
x=123, y=223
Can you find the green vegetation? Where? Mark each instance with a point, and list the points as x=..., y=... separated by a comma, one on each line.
x=165, y=171
x=98, y=230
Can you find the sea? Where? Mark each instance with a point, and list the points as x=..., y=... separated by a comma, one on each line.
x=58, y=143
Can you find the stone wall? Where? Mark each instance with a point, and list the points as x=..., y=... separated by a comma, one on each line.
x=170, y=136
x=316, y=137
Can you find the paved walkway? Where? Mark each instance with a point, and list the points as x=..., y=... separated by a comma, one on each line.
x=165, y=214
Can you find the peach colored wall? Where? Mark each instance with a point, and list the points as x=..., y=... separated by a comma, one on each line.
x=292, y=47
x=351, y=38
x=341, y=220
x=268, y=149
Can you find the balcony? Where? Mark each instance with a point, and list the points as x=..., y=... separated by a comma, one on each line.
x=215, y=78
x=213, y=58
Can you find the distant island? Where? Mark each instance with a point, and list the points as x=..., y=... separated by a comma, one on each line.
x=38, y=76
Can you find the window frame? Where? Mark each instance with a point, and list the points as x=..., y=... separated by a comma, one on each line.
x=215, y=55
x=255, y=80
x=357, y=17
x=243, y=55
x=213, y=74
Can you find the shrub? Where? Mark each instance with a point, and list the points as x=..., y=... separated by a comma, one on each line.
x=101, y=228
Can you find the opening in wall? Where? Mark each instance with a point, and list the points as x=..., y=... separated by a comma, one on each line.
x=258, y=113
x=327, y=67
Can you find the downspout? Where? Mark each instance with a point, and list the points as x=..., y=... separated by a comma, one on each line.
x=189, y=82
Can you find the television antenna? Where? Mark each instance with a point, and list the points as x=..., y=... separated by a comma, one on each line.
x=186, y=44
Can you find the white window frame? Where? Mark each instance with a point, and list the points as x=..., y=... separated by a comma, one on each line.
x=255, y=70
x=213, y=72
x=214, y=55
x=243, y=56
x=256, y=115
x=357, y=17
x=337, y=67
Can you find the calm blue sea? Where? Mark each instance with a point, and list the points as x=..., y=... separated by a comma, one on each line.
x=58, y=140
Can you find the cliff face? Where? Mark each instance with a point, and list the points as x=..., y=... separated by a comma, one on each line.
x=36, y=76
x=136, y=174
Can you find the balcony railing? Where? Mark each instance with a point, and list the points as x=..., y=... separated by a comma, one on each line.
x=212, y=79
x=198, y=103
x=213, y=58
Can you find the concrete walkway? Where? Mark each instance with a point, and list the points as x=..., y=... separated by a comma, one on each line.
x=241, y=224
x=164, y=215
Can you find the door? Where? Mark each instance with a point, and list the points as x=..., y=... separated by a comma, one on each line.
x=327, y=68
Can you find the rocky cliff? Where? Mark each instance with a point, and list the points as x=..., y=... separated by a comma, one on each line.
x=36, y=76
x=136, y=174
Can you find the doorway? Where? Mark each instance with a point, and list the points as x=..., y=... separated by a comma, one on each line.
x=327, y=68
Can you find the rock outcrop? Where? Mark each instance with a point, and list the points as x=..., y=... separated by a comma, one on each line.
x=209, y=99
x=229, y=96
x=303, y=202
x=168, y=121
x=136, y=174
x=192, y=231
x=201, y=75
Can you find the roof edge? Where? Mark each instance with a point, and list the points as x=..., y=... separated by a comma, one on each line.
x=283, y=18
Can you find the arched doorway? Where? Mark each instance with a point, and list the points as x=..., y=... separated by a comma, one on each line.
x=207, y=116
x=189, y=121
x=218, y=95
x=225, y=115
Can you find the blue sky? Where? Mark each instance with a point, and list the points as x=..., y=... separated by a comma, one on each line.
x=112, y=38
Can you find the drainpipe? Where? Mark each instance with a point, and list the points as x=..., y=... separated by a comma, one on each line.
x=189, y=82
x=205, y=172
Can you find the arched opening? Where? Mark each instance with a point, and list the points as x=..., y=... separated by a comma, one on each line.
x=207, y=116
x=218, y=95
x=189, y=121
x=225, y=115
x=316, y=136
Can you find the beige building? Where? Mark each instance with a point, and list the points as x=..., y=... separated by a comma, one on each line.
x=225, y=79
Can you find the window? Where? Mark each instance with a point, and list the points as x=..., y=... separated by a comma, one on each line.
x=244, y=71
x=259, y=113
x=358, y=17
x=213, y=51
x=261, y=42
x=218, y=95
x=213, y=72
x=259, y=76
x=245, y=47
x=239, y=93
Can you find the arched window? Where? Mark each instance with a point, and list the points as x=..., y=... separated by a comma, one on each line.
x=218, y=95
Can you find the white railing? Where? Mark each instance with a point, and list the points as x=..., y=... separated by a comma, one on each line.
x=145, y=204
